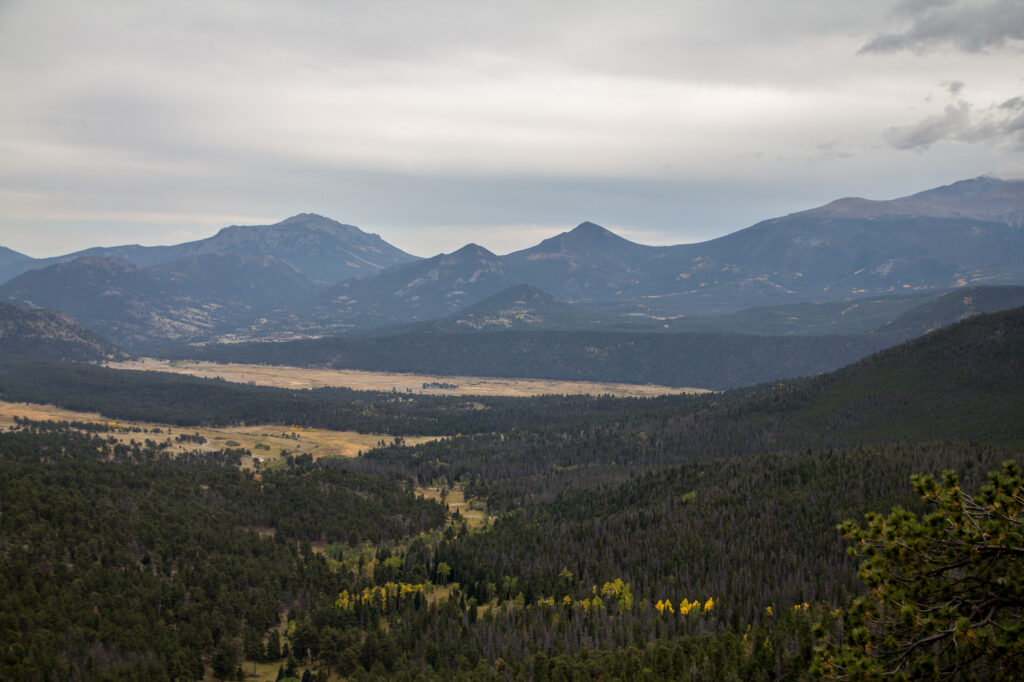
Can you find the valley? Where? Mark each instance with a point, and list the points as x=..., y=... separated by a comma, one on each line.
x=512, y=341
x=590, y=459
x=628, y=533
x=419, y=384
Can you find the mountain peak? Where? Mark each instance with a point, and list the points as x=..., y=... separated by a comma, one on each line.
x=303, y=217
x=587, y=227
x=472, y=250
x=587, y=238
x=584, y=237
x=315, y=220
x=592, y=233
x=983, y=198
x=321, y=248
x=301, y=221
x=963, y=189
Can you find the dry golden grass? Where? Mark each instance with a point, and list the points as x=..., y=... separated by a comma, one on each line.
x=264, y=441
x=473, y=511
x=298, y=377
x=8, y=411
x=265, y=672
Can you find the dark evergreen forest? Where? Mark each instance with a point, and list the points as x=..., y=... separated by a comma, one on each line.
x=698, y=359
x=672, y=538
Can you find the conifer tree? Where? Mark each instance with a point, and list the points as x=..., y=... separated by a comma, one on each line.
x=946, y=592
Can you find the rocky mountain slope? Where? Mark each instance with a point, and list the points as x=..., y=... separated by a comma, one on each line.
x=186, y=300
x=50, y=335
x=422, y=290
x=961, y=234
x=955, y=306
x=322, y=249
x=587, y=264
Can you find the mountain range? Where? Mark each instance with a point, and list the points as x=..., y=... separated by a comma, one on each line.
x=323, y=250
x=310, y=276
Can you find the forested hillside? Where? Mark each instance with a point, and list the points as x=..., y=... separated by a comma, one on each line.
x=704, y=360
x=673, y=538
x=525, y=333
x=46, y=334
x=122, y=563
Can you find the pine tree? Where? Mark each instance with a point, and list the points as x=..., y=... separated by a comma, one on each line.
x=946, y=591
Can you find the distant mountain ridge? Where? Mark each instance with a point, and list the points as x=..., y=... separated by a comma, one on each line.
x=410, y=292
x=964, y=234
x=322, y=249
x=310, y=276
x=142, y=295
x=187, y=300
x=986, y=198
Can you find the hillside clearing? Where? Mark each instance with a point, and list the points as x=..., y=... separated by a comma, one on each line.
x=474, y=512
x=265, y=441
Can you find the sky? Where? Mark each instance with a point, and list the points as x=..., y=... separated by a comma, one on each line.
x=437, y=123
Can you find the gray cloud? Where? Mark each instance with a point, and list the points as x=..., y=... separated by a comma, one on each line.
x=915, y=7
x=947, y=125
x=1000, y=125
x=970, y=28
x=404, y=117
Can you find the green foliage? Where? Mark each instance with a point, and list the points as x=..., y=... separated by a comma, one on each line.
x=677, y=538
x=965, y=384
x=946, y=591
x=122, y=563
x=778, y=511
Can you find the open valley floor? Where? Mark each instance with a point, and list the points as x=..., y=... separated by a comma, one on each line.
x=299, y=378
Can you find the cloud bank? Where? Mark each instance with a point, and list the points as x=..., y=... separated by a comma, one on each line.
x=970, y=27
x=124, y=122
x=1000, y=125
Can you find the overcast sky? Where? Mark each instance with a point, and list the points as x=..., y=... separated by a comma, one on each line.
x=438, y=123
